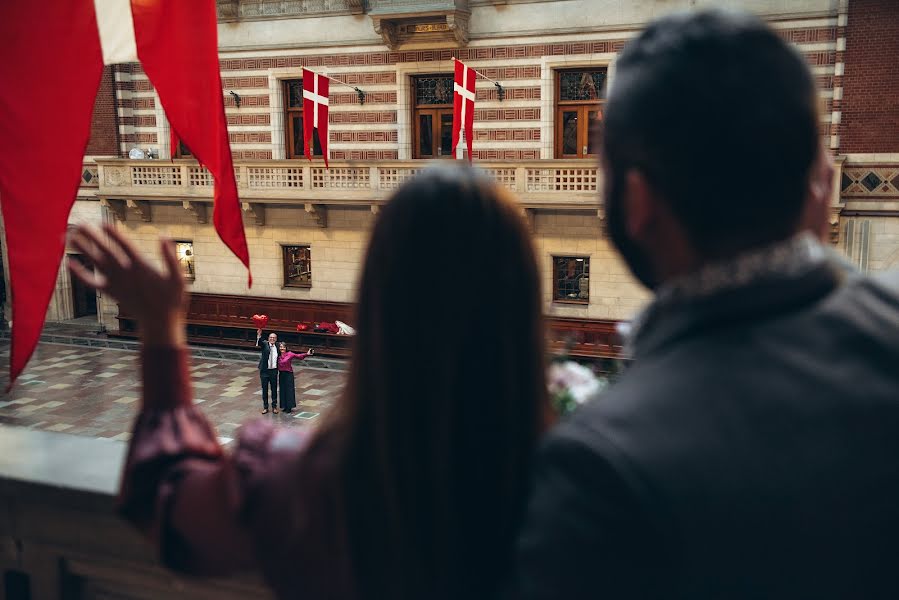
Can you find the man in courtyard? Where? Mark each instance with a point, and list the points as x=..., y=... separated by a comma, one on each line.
x=268, y=369
x=750, y=450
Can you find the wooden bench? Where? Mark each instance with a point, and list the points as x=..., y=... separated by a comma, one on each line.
x=225, y=320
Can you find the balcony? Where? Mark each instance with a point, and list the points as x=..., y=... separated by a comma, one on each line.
x=61, y=537
x=538, y=185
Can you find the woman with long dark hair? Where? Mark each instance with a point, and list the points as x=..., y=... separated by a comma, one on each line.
x=414, y=486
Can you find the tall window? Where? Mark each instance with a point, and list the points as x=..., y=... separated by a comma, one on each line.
x=578, y=108
x=571, y=279
x=293, y=120
x=432, y=118
x=297, y=262
x=184, y=250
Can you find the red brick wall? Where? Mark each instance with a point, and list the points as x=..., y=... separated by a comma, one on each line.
x=870, y=119
x=104, y=125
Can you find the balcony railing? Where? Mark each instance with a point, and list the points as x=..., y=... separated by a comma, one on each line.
x=538, y=184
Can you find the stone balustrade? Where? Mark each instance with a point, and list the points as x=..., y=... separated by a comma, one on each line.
x=60, y=537
x=546, y=184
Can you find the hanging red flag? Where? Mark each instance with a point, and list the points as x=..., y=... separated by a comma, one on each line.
x=463, y=105
x=315, y=112
x=176, y=42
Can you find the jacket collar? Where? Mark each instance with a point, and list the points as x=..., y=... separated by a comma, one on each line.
x=753, y=286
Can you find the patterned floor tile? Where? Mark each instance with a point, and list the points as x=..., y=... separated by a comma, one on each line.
x=101, y=396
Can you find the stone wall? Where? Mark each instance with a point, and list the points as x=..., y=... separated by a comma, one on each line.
x=104, y=121
x=870, y=120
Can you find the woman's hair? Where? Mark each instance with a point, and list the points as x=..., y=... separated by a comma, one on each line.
x=446, y=396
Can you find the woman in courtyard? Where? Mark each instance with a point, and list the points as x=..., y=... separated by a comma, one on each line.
x=414, y=485
x=286, y=389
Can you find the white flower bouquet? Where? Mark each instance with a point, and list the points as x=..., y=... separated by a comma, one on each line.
x=572, y=384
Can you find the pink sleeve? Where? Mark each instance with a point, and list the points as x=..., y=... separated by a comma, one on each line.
x=180, y=489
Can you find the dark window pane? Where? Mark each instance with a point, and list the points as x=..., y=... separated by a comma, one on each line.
x=297, y=141
x=434, y=89
x=446, y=135
x=183, y=150
x=571, y=278
x=295, y=93
x=297, y=131
x=425, y=135
x=593, y=117
x=581, y=85
x=297, y=266
x=569, y=132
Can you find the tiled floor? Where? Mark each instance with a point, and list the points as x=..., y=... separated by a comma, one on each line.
x=95, y=391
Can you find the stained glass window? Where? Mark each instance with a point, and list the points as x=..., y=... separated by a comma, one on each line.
x=581, y=85
x=571, y=279
x=433, y=90
x=297, y=266
x=184, y=250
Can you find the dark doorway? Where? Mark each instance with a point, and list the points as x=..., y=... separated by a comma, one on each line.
x=84, y=299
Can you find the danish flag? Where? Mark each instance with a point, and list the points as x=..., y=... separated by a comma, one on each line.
x=315, y=111
x=41, y=157
x=463, y=105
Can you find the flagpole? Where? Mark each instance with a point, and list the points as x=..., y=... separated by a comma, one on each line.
x=500, y=91
x=359, y=92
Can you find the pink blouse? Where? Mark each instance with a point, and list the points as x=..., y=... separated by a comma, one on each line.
x=267, y=505
x=284, y=361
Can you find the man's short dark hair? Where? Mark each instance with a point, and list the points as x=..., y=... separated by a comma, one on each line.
x=721, y=115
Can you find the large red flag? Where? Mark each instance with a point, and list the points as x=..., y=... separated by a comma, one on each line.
x=463, y=105
x=42, y=139
x=315, y=111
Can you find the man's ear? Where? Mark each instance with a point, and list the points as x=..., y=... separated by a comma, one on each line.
x=816, y=211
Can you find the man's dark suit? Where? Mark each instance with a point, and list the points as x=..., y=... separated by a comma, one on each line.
x=268, y=377
x=752, y=451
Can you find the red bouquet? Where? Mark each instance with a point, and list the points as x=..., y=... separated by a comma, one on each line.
x=303, y=327
x=260, y=321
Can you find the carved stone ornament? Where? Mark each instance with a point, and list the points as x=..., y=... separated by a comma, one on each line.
x=387, y=31
x=458, y=24
x=142, y=208
x=319, y=213
x=257, y=210
x=197, y=209
x=116, y=176
x=227, y=9
x=835, y=226
x=116, y=207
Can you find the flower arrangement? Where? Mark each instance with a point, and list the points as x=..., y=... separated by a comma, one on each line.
x=572, y=384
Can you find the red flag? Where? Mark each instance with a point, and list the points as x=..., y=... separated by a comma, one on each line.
x=177, y=44
x=315, y=111
x=463, y=105
x=42, y=140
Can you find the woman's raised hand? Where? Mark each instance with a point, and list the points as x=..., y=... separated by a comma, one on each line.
x=156, y=298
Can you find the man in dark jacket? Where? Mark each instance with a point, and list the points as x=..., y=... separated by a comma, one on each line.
x=268, y=369
x=751, y=450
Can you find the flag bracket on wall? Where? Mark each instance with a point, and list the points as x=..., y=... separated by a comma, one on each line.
x=236, y=97
x=500, y=91
x=361, y=95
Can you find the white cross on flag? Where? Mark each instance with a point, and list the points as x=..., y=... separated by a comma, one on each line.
x=463, y=105
x=315, y=112
x=60, y=46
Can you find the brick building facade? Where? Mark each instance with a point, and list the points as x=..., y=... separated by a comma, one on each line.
x=550, y=57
